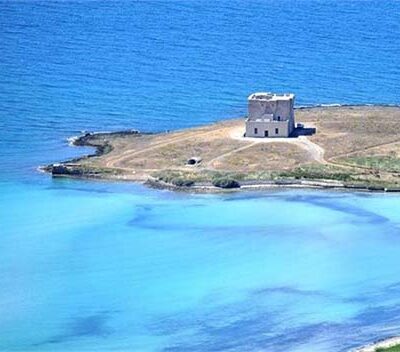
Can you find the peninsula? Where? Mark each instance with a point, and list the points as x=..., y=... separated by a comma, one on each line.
x=355, y=147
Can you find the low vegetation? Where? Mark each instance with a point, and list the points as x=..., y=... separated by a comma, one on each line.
x=377, y=162
x=182, y=182
x=182, y=178
x=389, y=349
x=168, y=176
x=225, y=182
x=177, y=178
x=317, y=172
x=82, y=170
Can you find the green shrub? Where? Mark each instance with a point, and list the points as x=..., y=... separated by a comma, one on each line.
x=385, y=163
x=321, y=174
x=181, y=182
x=389, y=349
x=225, y=182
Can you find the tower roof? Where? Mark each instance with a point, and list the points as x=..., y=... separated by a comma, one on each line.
x=268, y=96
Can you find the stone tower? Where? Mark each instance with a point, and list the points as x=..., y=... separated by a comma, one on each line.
x=270, y=115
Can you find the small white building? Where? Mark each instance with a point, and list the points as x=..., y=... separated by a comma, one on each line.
x=270, y=115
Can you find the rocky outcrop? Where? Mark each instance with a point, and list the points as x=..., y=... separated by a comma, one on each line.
x=65, y=170
x=99, y=140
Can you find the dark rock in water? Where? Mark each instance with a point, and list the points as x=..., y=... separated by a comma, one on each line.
x=127, y=132
x=61, y=169
x=376, y=188
x=285, y=182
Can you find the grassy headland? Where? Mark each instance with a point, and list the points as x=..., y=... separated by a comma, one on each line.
x=354, y=147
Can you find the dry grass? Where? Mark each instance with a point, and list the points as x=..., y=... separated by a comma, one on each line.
x=264, y=157
x=342, y=130
x=360, y=141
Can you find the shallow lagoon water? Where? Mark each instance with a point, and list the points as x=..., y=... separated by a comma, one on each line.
x=107, y=266
x=116, y=267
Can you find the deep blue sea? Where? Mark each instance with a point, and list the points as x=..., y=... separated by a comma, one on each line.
x=96, y=266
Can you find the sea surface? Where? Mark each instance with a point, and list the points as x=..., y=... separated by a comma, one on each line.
x=97, y=266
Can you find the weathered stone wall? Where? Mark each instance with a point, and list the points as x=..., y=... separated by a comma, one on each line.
x=278, y=108
x=262, y=126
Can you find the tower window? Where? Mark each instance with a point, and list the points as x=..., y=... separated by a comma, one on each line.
x=276, y=130
x=255, y=130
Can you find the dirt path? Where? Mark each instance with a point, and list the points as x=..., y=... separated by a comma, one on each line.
x=344, y=164
x=344, y=155
x=220, y=157
x=316, y=152
x=113, y=162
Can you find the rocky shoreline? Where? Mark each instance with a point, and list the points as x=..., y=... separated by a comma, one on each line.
x=273, y=184
x=99, y=140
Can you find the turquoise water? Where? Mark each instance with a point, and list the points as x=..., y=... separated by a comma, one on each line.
x=94, y=266
x=107, y=266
